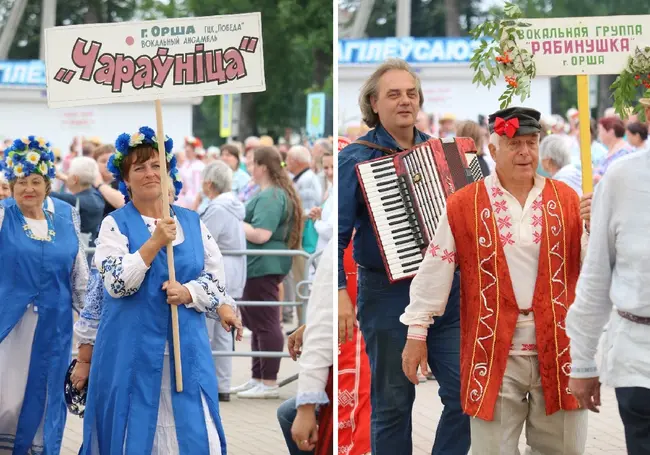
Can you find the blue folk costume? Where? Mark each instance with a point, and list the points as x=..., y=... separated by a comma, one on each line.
x=129, y=361
x=48, y=275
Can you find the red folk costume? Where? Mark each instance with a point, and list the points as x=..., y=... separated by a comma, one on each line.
x=354, y=380
x=489, y=309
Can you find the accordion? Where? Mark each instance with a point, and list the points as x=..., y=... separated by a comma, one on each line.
x=406, y=194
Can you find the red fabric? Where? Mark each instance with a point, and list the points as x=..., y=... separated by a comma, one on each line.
x=354, y=381
x=325, y=445
x=489, y=310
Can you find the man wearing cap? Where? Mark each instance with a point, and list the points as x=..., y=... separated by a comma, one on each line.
x=516, y=237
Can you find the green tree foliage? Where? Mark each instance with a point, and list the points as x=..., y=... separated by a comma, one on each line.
x=427, y=17
x=298, y=57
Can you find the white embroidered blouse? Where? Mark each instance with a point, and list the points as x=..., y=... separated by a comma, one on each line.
x=122, y=273
x=79, y=277
x=520, y=232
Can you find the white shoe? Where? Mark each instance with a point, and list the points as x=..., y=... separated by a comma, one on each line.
x=261, y=391
x=251, y=384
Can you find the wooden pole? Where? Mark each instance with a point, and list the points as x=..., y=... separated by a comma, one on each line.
x=165, y=182
x=585, y=134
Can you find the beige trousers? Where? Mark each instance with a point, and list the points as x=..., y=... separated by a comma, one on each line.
x=520, y=400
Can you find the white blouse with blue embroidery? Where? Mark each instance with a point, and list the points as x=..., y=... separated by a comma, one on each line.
x=122, y=274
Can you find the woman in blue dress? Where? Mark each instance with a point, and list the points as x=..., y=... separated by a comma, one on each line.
x=45, y=275
x=132, y=406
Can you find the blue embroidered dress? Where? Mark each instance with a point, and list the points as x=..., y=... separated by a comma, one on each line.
x=132, y=404
x=39, y=286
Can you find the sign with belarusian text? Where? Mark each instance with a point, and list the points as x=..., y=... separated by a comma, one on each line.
x=416, y=51
x=145, y=61
x=583, y=45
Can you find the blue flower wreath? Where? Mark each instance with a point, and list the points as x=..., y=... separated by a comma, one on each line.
x=29, y=155
x=126, y=142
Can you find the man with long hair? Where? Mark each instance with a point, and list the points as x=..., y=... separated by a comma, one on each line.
x=390, y=101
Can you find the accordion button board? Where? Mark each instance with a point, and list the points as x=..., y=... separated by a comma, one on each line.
x=406, y=196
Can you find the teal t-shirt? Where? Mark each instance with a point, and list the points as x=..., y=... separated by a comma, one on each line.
x=269, y=209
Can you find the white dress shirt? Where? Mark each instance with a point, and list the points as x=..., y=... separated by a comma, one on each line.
x=520, y=231
x=317, y=352
x=615, y=276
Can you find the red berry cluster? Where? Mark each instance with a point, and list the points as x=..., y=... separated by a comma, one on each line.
x=643, y=80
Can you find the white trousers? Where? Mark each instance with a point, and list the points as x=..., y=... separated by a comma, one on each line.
x=521, y=400
x=220, y=340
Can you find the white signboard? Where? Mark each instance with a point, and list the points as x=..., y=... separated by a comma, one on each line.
x=144, y=61
x=583, y=45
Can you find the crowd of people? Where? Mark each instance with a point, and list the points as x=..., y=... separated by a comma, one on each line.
x=514, y=291
x=97, y=213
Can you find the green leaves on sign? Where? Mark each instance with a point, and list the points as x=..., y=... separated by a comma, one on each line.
x=498, y=56
x=632, y=81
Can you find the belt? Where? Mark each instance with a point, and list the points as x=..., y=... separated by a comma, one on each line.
x=634, y=318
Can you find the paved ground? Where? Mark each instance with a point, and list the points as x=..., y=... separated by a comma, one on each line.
x=251, y=425
x=605, y=429
x=252, y=428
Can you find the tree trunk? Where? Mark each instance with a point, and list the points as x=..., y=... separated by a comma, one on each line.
x=604, y=94
x=320, y=68
x=247, y=120
x=452, y=18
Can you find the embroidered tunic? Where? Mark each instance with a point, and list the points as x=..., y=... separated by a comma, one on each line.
x=40, y=285
x=519, y=266
x=129, y=370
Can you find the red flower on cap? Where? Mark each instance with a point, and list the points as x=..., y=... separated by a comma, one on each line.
x=507, y=127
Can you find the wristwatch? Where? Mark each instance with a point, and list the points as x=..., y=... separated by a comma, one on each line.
x=99, y=186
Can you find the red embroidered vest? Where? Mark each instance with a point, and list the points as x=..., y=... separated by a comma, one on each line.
x=489, y=310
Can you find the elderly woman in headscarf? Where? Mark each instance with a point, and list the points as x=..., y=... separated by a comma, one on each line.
x=555, y=158
x=131, y=406
x=48, y=277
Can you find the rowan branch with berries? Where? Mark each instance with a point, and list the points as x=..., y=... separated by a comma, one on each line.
x=628, y=84
x=498, y=55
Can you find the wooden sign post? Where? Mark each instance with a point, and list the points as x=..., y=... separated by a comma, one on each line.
x=520, y=49
x=151, y=61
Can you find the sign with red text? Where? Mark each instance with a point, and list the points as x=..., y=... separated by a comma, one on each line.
x=145, y=61
x=583, y=45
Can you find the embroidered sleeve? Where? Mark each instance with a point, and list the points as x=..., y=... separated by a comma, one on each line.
x=432, y=283
x=209, y=289
x=88, y=323
x=121, y=271
x=317, y=355
x=79, y=277
x=76, y=220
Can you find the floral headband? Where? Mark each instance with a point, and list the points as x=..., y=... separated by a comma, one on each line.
x=144, y=136
x=29, y=155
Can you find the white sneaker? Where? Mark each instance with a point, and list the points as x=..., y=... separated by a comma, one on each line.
x=251, y=384
x=261, y=391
